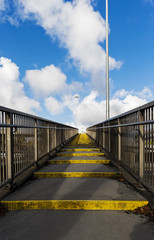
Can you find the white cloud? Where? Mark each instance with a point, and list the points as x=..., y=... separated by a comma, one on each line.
x=50, y=80
x=120, y=93
x=46, y=81
x=90, y=110
x=2, y=5
x=78, y=27
x=149, y=1
x=146, y=93
x=12, y=93
x=53, y=105
x=130, y=102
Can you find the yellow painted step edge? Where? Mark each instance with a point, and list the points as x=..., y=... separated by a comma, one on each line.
x=79, y=154
x=75, y=174
x=78, y=161
x=81, y=150
x=73, y=204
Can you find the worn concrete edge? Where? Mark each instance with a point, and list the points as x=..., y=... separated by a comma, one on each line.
x=79, y=154
x=80, y=150
x=73, y=204
x=76, y=174
x=105, y=162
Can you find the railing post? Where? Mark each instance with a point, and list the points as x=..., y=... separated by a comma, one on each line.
x=62, y=135
x=98, y=136
x=48, y=139
x=36, y=141
x=119, y=140
x=109, y=136
x=141, y=146
x=9, y=147
x=54, y=137
x=104, y=137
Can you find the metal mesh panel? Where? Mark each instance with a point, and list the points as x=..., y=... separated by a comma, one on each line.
x=23, y=143
x=42, y=139
x=114, y=140
x=132, y=145
x=3, y=162
x=24, y=139
x=149, y=147
x=58, y=136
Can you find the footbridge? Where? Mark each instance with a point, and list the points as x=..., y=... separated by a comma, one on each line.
x=58, y=184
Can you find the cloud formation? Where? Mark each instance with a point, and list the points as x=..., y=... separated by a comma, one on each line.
x=90, y=110
x=12, y=93
x=79, y=29
x=49, y=81
x=53, y=105
x=86, y=111
x=2, y=5
x=150, y=1
x=46, y=81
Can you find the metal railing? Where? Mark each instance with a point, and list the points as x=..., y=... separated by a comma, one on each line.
x=25, y=139
x=129, y=140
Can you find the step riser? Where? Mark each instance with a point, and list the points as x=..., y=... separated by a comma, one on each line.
x=79, y=154
x=73, y=205
x=80, y=150
x=106, y=162
x=76, y=174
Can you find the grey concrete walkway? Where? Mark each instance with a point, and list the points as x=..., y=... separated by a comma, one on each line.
x=75, y=224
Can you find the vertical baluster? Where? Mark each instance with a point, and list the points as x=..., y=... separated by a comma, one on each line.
x=141, y=147
x=10, y=157
x=152, y=151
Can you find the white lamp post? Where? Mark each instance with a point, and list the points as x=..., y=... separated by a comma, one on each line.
x=107, y=64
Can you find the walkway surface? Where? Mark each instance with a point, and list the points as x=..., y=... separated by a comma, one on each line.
x=78, y=195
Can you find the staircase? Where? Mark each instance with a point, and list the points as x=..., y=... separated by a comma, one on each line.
x=78, y=177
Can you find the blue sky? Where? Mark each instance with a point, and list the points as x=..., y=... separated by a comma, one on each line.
x=52, y=50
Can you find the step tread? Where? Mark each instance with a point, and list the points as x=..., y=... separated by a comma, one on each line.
x=78, y=168
x=75, y=189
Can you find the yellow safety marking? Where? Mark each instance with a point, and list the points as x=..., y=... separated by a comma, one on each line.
x=80, y=145
x=79, y=154
x=75, y=174
x=78, y=161
x=81, y=150
x=81, y=139
x=73, y=204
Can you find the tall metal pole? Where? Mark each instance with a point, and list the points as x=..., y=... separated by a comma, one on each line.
x=107, y=64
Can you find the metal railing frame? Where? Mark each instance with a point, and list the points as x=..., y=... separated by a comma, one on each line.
x=138, y=126
x=60, y=134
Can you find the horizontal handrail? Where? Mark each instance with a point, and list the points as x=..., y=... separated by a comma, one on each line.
x=28, y=126
x=16, y=112
x=124, y=125
x=135, y=110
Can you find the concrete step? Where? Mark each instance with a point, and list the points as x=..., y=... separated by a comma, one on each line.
x=80, y=150
x=80, y=158
x=85, y=161
x=75, y=189
x=74, y=205
x=78, y=225
x=76, y=174
x=89, y=154
x=78, y=167
x=85, y=186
